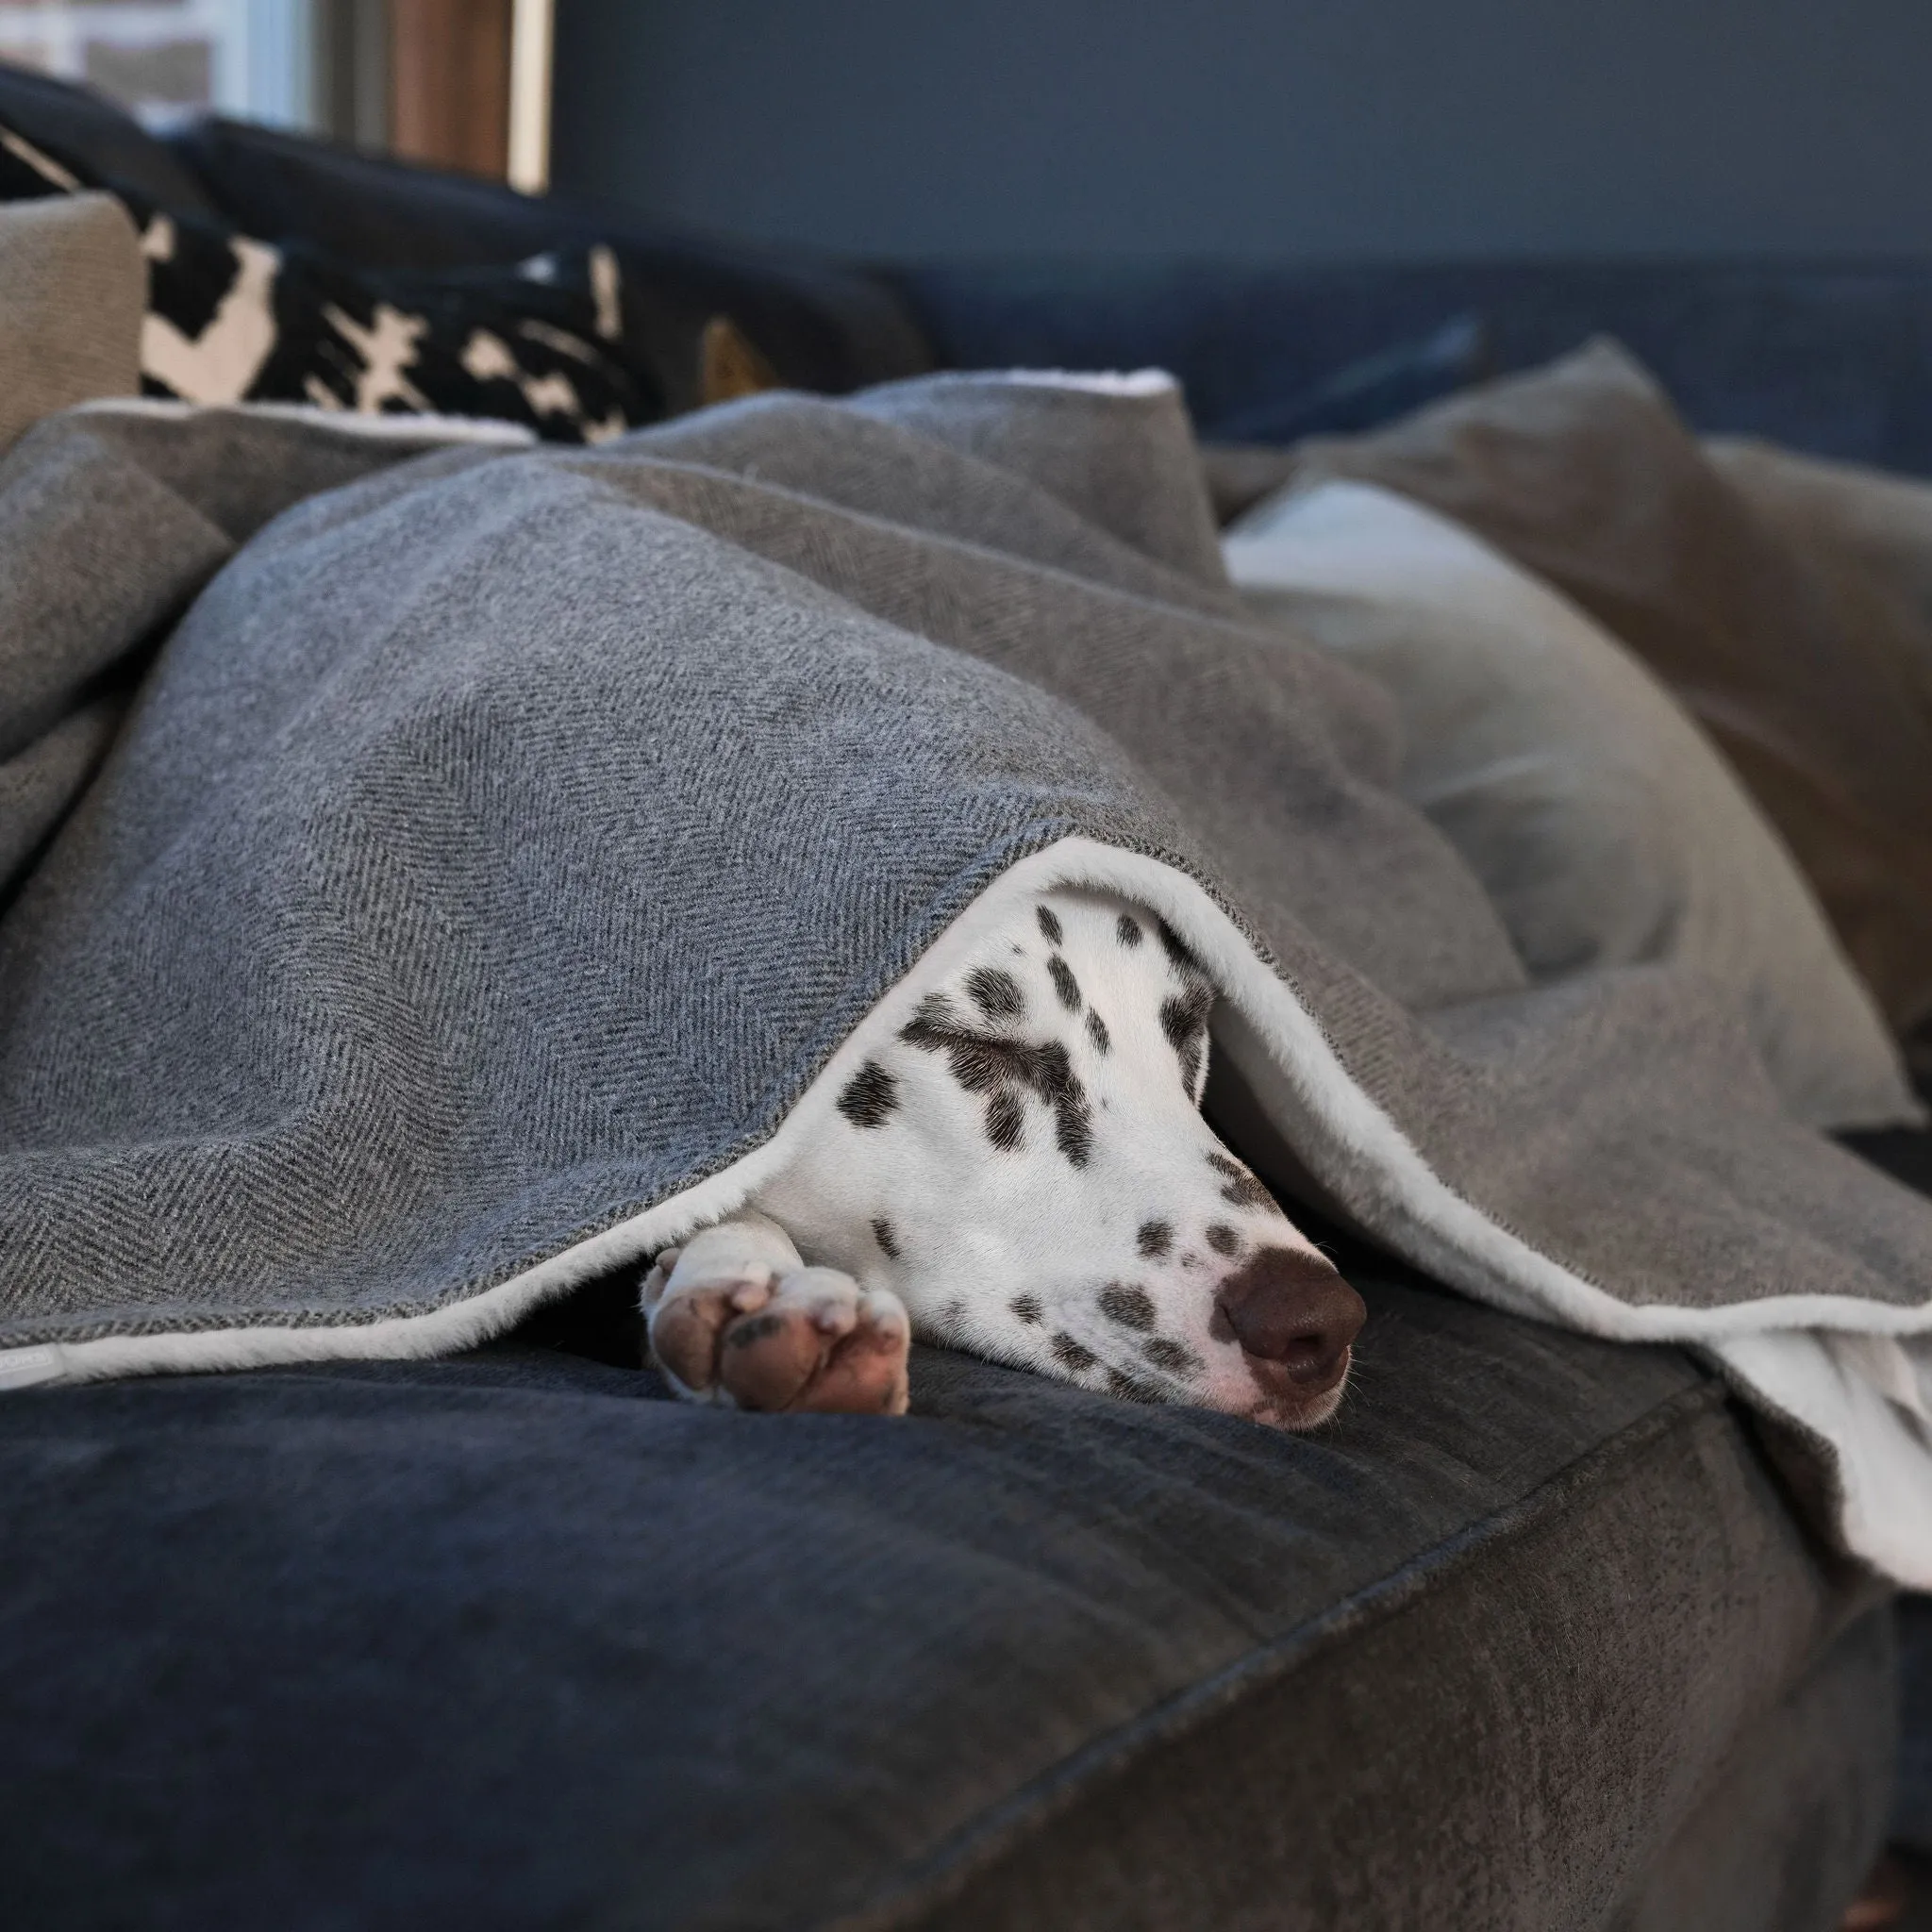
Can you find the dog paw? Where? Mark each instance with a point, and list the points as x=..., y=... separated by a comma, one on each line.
x=741, y=1321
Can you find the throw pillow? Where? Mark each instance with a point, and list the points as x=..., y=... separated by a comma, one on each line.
x=1602, y=823
x=232, y=318
x=71, y=293
x=1882, y=521
x=1882, y=525
x=1801, y=665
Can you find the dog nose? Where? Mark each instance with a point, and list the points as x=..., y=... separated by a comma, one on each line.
x=1292, y=1308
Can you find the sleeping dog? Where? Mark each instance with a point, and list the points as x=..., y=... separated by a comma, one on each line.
x=1024, y=1175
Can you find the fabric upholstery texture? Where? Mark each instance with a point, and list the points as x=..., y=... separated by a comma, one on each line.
x=511, y=1640
x=1602, y=823
x=1808, y=673
x=1795, y=1810
x=72, y=289
x=1911, y=1823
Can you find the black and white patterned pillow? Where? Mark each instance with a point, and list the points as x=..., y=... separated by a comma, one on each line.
x=231, y=319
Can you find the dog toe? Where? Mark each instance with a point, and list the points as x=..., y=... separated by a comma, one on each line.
x=687, y=1328
x=822, y=1345
x=865, y=1372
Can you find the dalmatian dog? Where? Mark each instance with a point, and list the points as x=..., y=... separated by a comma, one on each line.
x=1025, y=1174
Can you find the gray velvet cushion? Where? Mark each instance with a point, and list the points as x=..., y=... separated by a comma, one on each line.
x=1603, y=823
x=510, y=1641
x=1881, y=526
x=1805, y=671
x=71, y=290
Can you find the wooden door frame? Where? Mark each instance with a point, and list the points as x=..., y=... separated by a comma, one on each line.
x=470, y=86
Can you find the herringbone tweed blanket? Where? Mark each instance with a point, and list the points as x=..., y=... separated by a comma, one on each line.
x=503, y=843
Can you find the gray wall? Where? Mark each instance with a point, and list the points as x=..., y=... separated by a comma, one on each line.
x=1259, y=127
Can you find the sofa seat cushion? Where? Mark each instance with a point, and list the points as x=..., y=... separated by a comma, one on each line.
x=510, y=1641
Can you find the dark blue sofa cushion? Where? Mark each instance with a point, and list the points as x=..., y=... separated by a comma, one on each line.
x=510, y=1641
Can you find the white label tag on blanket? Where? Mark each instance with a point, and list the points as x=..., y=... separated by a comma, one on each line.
x=20, y=1368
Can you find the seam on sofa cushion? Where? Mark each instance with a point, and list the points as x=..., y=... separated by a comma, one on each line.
x=932, y=1879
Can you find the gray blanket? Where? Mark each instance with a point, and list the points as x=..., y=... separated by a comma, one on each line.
x=505, y=844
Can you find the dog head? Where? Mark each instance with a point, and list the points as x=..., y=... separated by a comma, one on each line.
x=1026, y=1167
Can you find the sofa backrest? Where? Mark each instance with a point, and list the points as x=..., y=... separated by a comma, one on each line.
x=1831, y=356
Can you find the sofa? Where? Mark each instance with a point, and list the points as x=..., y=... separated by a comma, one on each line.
x=1537, y=1634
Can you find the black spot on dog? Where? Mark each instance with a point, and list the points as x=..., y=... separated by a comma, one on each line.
x=1155, y=1239
x=1190, y=1068
x=1224, y=1239
x=1097, y=1033
x=753, y=1328
x=1242, y=1189
x=984, y=1063
x=1175, y=1357
x=1026, y=1306
x=995, y=994
x=1184, y=1015
x=1069, y=1355
x=1073, y=1132
x=1132, y=1308
x=1124, y=1386
x=882, y=1233
x=1049, y=925
x=871, y=1096
x=1064, y=983
x=1184, y=1020
x=1177, y=951
x=1126, y=929
x=1006, y=1121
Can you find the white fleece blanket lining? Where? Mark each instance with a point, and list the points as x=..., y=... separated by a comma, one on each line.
x=425, y=428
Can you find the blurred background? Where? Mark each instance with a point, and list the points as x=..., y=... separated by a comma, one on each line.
x=434, y=80
x=1373, y=128
x=946, y=129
